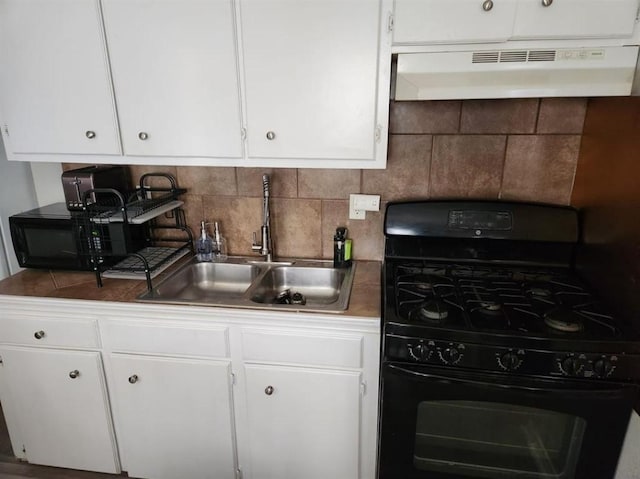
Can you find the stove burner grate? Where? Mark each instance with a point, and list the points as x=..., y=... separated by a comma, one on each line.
x=482, y=298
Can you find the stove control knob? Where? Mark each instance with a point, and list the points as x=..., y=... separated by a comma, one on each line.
x=603, y=368
x=573, y=366
x=451, y=355
x=510, y=361
x=419, y=352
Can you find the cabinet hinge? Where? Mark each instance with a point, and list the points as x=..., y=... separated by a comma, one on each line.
x=1, y=360
x=378, y=133
x=390, y=23
x=6, y=129
x=233, y=379
x=243, y=133
x=363, y=388
x=238, y=473
x=24, y=449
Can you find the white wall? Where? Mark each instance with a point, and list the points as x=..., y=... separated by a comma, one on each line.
x=17, y=194
x=46, y=179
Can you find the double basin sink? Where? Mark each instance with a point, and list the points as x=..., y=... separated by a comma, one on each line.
x=300, y=285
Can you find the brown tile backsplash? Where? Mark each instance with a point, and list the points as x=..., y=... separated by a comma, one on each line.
x=284, y=181
x=201, y=180
x=540, y=168
x=516, y=149
x=562, y=115
x=499, y=116
x=407, y=172
x=424, y=117
x=467, y=166
x=328, y=184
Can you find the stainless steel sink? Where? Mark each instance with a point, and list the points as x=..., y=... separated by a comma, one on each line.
x=319, y=286
x=301, y=285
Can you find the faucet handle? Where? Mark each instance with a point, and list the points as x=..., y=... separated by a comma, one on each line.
x=255, y=246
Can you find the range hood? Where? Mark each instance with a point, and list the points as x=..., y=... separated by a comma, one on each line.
x=516, y=73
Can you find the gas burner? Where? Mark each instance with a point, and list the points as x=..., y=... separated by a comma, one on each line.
x=490, y=306
x=539, y=292
x=433, y=310
x=565, y=320
x=424, y=286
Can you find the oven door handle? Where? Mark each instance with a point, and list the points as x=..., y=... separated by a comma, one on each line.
x=506, y=383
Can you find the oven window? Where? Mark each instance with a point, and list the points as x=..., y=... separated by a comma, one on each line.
x=494, y=440
x=50, y=243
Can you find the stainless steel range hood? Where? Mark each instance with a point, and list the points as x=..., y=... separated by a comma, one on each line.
x=516, y=73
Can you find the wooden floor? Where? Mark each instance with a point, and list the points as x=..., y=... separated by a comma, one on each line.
x=11, y=468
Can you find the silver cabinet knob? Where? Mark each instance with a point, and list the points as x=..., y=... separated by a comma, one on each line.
x=133, y=379
x=271, y=135
x=90, y=134
x=143, y=136
x=487, y=5
x=39, y=334
x=546, y=3
x=74, y=374
x=268, y=390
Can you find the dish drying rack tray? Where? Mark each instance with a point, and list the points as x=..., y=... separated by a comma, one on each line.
x=138, y=236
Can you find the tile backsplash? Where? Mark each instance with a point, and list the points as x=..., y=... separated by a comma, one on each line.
x=516, y=149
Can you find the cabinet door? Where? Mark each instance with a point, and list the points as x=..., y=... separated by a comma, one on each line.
x=575, y=19
x=303, y=422
x=311, y=74
x=174, y=417
x=60, y=404
x=55, y=92
x=446, y=21
x=175, y=76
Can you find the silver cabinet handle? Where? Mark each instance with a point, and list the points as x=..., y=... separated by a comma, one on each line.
x=272, y=136
x=487, y=5
x=546, y=3
x=90, y=134
x=39, y=334
x=133, y=379
x=74, y=374
x=268, y=390
x=143, y=136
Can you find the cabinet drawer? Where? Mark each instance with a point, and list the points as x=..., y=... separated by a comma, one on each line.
x=50, y=332
x=166, y=339
x=322, y=350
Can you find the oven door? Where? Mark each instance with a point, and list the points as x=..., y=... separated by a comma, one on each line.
x=438, y=423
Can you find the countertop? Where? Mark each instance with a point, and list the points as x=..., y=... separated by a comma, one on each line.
x=364, y=302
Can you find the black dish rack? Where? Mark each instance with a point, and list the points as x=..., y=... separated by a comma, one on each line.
x=136, y=235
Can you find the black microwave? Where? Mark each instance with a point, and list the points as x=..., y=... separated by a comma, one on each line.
x=52, y=237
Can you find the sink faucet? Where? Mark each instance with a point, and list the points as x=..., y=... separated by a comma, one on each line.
x=265, y=248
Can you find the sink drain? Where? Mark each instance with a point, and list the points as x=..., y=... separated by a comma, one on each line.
x=286, y=297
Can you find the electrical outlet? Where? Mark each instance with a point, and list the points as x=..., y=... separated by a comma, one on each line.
x=360, y=204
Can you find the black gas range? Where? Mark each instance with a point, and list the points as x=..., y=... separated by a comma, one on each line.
x=496, y=354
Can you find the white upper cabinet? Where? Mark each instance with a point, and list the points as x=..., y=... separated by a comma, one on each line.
x=426, y=22
x=447, y=21
x=175, y=76
x=575, y=19
x=55, y=90
x=311, y=79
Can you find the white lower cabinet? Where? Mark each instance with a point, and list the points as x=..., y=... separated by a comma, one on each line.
x=174, y=416
x=58, y=401
x=303, y=422
x=193, y=393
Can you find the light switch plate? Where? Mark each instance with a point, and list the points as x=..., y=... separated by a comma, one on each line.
x=360, y=204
